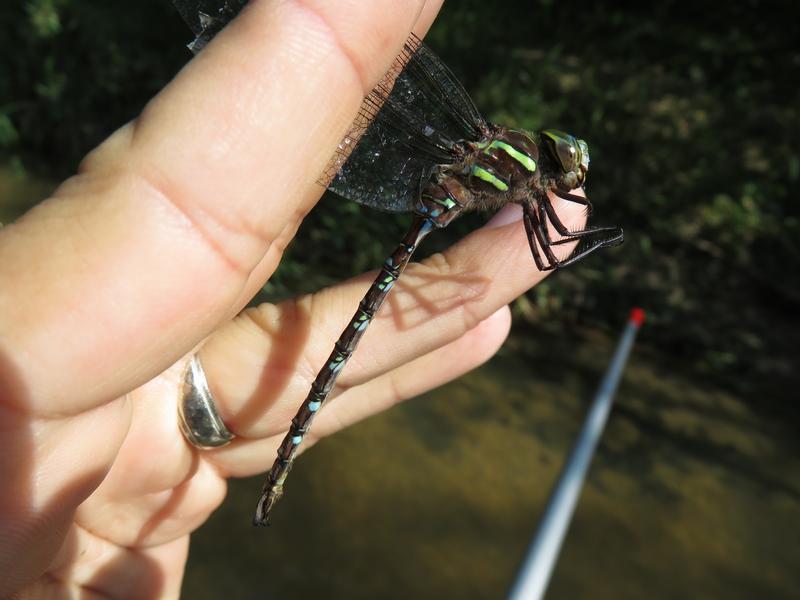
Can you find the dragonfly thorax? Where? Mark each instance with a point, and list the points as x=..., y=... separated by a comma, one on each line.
x=503, y=167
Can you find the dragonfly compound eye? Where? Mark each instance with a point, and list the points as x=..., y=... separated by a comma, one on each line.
x=564, y=149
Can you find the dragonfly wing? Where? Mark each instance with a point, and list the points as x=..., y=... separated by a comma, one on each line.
x=382, y=173
x=206, y=18
x=417, y=118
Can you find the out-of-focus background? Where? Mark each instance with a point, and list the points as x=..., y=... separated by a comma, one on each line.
x=692, y=113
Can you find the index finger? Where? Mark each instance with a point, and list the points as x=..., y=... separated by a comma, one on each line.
x=140, y=256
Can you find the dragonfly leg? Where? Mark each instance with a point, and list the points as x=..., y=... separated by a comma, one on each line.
x=575, y=198
x=590, y=247
x=566, y=234
x=537, y=239
x=591, y=238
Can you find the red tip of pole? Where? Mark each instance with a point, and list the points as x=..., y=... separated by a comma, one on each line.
x=637, y=316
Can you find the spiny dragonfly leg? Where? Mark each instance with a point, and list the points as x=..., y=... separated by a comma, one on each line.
x=539, y=236
x=535, y=238
x=562, y=229
x=577, y=199
x=593, y=238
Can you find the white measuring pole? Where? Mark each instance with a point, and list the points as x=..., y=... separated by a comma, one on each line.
x=541, y=559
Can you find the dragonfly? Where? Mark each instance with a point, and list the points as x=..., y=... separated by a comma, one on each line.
x=420, y=145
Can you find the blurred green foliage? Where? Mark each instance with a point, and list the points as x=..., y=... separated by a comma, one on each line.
x=74, y=71
x=691, y=113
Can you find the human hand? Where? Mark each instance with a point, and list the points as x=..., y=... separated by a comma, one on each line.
x=149, y=253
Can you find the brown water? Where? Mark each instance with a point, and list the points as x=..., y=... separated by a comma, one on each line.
x=692, y=494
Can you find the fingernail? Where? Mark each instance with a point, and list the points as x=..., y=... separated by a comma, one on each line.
x=508, y=214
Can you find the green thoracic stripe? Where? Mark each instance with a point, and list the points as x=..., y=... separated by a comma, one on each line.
x=489, y=177
x=523, y=159
x=448, y=203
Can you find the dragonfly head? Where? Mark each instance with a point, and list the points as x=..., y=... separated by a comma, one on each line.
x=570, y=154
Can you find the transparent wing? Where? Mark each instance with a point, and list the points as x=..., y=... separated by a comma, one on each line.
x=417, y=118
x=206, y=18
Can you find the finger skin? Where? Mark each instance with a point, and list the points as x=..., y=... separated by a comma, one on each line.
x=140, y=256
x=440, y=366
x=155, y=241
x=248, y=457
x=90, y=566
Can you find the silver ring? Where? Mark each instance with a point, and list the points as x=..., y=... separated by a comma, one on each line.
x=197, y=414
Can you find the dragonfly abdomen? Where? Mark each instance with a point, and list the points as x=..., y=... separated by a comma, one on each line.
x=342, y=350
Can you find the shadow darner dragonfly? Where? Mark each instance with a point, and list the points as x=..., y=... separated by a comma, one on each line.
x=419, y=145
